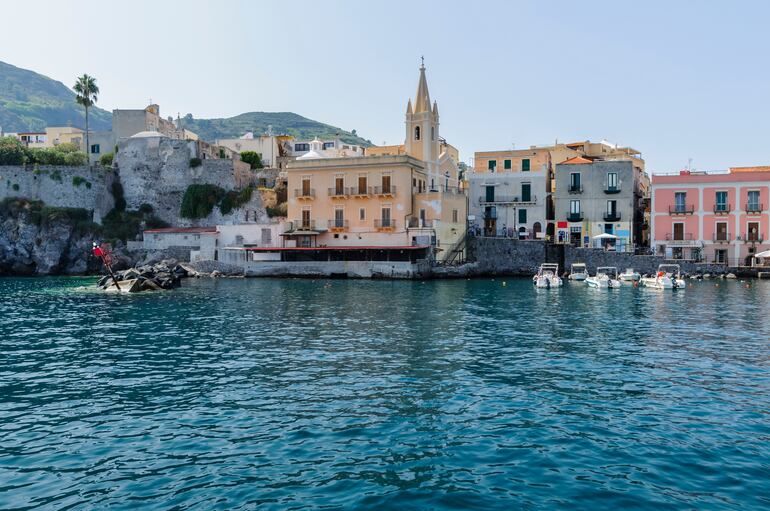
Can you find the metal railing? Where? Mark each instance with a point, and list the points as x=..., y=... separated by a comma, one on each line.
x=575, y=189
x=384, y=223
x=338, y=224
x=682, y=238
x=722, y=209
x=339, y=192
x=385, y=190
x=507, y=199
x=754, y=207
x=611, y=189
x=304, y=193
x=681, y=209
x=416, y=223
x=574, y=217
x=360, y=190
x=723, y=237
x=753, y=237
x=612, y=217
x=303, y=225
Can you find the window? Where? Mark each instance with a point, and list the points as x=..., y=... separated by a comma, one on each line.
x=492, y=165
x=306, y=219
x=417, y=133
x=94, y=148
x=680, y=202
x=574, y=207
x=489, y=193
x=362, y=214
x=267, y=237
x=574, y=182
x=507, y=164
x=455, y=216
x=720, y=256
x=522, y=216
x=301, y=147
x=433, y=133
x=385, y=217
x=422, y=217
x=525, y=165
x=526, y=192
x=386, y=183
x=721, y=201
x=306, y=187
x=362, y=184
x=328, y=145
x=753, y=203
x=339, y=185
x=612, y=181
x=612, y=208
x=339, y=217
x=720, y=233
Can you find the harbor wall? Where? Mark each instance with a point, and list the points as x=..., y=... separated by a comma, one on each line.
x=352, y=269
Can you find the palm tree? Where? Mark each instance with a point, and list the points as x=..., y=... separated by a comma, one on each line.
x=86, y=92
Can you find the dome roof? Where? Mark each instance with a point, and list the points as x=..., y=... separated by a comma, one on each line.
x=311, y=155
x=148, y=134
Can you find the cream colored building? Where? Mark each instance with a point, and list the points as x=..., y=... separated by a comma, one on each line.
x=407, y=198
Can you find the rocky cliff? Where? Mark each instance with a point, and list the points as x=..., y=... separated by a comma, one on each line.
x=40, y=240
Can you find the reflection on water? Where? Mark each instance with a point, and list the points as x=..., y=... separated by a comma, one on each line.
x=374, y=394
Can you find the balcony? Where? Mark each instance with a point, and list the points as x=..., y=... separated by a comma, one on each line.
x=681, y=209
x=384, y=224
x=753, y=237
x=507, y=199
x=681, y=238
x=574, y=217
x=360, y=191
x=722, y=209
x=303, y=225
x=339, y=193
x=418, y=223
x=753, y=208
x=385, y=191
x=612, y=217
x=304, y=193
x=338, y=225
x=611, y=189
x=721, y=237
x=575, y=188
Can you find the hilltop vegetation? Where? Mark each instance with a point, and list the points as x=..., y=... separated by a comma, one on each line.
x=30, y=101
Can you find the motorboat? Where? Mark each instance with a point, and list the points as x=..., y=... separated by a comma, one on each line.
x=630, y=275
x=123, y=286
x=547, y=276
x=606, y=278
x=668, y=276
x=577, y=271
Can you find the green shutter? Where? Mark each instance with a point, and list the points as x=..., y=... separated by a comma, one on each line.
x=491, y=164
x=522, y=216
x=525, y=165
x=507, y=164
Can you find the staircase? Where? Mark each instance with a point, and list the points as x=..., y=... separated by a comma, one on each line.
x=456, y=253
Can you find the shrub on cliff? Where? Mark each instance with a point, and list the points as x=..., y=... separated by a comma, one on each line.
x=63, y=154
x=11, y=151
x=279, y=210
x=235, y=199
x=199, y=200
x=253, y=158
x=195, y=162
x=106, y=159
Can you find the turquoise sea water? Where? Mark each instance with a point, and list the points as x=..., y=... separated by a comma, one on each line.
x=313, y=394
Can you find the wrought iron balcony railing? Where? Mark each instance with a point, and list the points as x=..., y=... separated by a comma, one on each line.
x=385, y=190
x=574, y=217
x=681, y=209
x=754, y=207
x=384, y=223
x=612, y=217
x=339, y=191
x=722, y=209
x=304, y=193
x=338, y=224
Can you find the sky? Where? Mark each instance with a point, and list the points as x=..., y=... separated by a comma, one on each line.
x=678, y=81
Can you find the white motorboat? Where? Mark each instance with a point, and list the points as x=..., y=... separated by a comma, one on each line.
x=577, y=271
x=606, y=278
x=668, y=276
x=547, y=276
x=630, y=275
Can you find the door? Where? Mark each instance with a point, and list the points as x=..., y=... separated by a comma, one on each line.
x=386, y=217
x=386, y=184
x=362, y=185
x=680, y=201
x=305, y=187
x=305, y=219
x=526, y=192
x=339, y=218
x=339, y=186
x=679, y=231
x=721, y=231
x=490, y=221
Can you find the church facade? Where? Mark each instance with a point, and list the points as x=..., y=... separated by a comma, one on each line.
x=399, y=196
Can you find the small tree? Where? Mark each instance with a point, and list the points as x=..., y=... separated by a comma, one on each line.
x=253, y=158
x=87, y=93
x=11, y=151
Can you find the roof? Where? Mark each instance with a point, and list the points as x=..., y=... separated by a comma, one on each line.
x=147, y=134
x=576, y=160
x=422, y=98
x=183, y=230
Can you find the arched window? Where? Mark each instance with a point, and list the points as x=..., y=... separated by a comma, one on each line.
x=417, y=133
x=433, y=133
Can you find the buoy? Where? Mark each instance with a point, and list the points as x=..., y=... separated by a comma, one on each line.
x=504, y=283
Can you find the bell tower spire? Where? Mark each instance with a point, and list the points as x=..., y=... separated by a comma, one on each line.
x=422, y=123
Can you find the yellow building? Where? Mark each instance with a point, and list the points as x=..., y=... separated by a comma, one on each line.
x=398, y=196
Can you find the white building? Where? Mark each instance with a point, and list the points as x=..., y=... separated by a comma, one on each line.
x=325, y=149
x=266, y=145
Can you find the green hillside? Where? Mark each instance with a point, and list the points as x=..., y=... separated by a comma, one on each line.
x=30, y=101
x=258, y=122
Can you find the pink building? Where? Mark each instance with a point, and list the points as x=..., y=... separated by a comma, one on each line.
x=718, y=217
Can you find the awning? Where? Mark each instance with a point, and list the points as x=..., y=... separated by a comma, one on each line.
x=766, y=253
x=605, y=236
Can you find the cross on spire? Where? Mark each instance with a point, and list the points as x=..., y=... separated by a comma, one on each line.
x=422, y=58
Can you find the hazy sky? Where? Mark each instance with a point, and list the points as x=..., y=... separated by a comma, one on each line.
x=675, y=80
